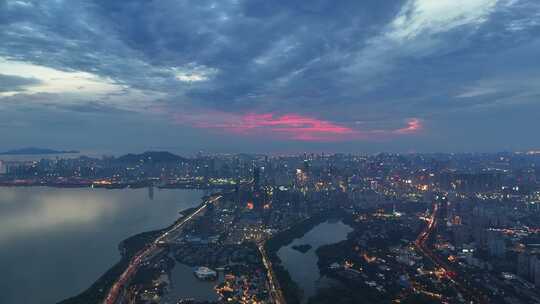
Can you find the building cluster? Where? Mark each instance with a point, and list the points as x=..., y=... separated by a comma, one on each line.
x=441, y=226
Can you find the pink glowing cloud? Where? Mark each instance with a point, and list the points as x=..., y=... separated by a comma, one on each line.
x=292, y=126
x=287, y=126
x=414, y=125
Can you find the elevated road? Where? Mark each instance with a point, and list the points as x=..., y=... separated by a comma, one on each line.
x=450, y=273
x=115, y=293
x=275, y=289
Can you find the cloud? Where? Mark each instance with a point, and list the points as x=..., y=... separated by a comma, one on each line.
x=475, y=92
x=413, y=125
x=426, y=17
x=194, y=73
x=417, y=31
x=290, y=126
x=41, y=79
x=10, y=84
x=378, y=62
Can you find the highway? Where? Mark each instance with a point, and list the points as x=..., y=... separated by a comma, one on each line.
x=275, y=291
x=124, y=279
x=451, y=274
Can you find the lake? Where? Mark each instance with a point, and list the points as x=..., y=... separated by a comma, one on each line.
x=54, y=243
x=303, y=267
x=185, y=285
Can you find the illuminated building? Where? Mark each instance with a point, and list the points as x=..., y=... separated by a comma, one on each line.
x=205, y=273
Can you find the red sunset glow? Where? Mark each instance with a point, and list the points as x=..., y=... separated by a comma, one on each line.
x=289, y=126
x=292, y=126
x=414, y=125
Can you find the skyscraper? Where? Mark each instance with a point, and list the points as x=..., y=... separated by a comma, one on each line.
x=256, y=178
x=3, y=169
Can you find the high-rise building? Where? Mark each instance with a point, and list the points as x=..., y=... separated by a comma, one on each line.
x=523, y=265
x=537, y=273
x=461, y=235
x=534, y=263
x=3, y=168
x=496, y=245
x=256, y=178
x=529, y=267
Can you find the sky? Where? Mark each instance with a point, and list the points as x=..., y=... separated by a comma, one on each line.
x=279, y=76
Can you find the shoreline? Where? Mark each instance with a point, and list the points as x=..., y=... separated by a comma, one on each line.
x=134, y=185
x=290, y=289
x=98, y=290
x=128, y=248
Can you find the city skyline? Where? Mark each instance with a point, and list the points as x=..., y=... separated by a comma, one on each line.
x=279, y=77
x=385, y=228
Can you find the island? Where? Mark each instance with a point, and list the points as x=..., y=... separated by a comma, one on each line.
x=302, y=248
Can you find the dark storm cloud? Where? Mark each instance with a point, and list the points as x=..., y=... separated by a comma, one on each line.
x=291, y=54
x=95, y=107
x=367, y=64
x=10, y=83
x=136, y=42
x=264, y=52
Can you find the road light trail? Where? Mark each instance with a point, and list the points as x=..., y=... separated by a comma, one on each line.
x=134, y=264
x=451, y=274
x=275, y=289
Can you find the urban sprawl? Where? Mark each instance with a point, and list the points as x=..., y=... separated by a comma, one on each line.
x=425, y=228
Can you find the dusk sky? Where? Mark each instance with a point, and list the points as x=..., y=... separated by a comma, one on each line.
x=270, y=76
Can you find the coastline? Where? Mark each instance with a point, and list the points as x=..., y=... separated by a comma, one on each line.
x=128, y=248
x=129, y=185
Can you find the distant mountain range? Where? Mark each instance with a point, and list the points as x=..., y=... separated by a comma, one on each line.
x=37, y=151
x=146, y=157
x=150, y=157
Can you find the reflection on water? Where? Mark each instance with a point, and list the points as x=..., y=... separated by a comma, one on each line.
x=29, y=212
x=54, y=243
x=303, y=267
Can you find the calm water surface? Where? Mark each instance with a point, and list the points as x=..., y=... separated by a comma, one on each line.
x=54, y=243
x=303, y=267
x=184, y=285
